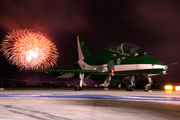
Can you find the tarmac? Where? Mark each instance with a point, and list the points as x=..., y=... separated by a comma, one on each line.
x=96, y=104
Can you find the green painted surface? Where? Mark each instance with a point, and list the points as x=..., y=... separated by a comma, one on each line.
x=106, y=55
x=84, y=48
x=69, y=71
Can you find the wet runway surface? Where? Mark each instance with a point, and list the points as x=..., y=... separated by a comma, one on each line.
x=89, y=104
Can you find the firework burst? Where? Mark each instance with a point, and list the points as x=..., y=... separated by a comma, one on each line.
x=29, y=49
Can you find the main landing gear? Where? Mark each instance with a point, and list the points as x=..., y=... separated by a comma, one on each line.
x=81, y=82
x=107, y=82
x=110, y=67
x=147, y=87
x=131, y=85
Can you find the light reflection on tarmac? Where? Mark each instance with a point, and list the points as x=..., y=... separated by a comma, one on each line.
x=89, y=104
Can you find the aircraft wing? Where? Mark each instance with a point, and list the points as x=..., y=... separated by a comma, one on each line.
x=59, y=73
x=69, y=71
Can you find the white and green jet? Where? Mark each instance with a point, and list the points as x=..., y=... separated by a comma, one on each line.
x=112, y=65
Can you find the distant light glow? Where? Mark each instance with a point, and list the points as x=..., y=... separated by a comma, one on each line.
x=168, y=87
x=177, y=88
x=68, y=85
x=29, y=49
x=95, y=85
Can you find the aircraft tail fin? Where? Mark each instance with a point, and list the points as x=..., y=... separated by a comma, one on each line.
x=82, y=49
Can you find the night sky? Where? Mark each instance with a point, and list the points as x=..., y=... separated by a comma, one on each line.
x=152, y=24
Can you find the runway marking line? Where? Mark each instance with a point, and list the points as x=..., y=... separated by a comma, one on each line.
x=92, y=96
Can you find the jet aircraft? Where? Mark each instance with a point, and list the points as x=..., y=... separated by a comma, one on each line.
x=112, y=65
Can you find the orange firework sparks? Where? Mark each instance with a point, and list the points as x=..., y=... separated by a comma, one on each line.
x=29, y=49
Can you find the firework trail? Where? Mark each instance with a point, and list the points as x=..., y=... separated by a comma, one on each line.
x=29, y=49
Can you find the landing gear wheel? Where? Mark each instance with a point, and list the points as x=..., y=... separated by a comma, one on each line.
x=147, y=88
x=106, y=89
x=78, y=87
x=129, y=88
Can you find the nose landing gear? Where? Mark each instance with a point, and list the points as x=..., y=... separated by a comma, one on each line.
x=147, y=87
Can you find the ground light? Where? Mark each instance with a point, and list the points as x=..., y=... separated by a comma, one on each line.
x=85, y=85
x=168, y=87
x=177, y=88
x=68, y=85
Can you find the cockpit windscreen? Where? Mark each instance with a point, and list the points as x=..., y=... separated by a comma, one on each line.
x=128, y=49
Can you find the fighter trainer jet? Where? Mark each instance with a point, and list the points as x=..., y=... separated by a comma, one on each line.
x=112, y=65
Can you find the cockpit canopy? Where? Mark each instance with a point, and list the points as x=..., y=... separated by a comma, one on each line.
x=128, y=49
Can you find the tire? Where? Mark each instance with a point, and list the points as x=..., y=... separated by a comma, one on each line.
x=106, y=89
x=129, y=88
x=78, y=88
x=147, y=88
